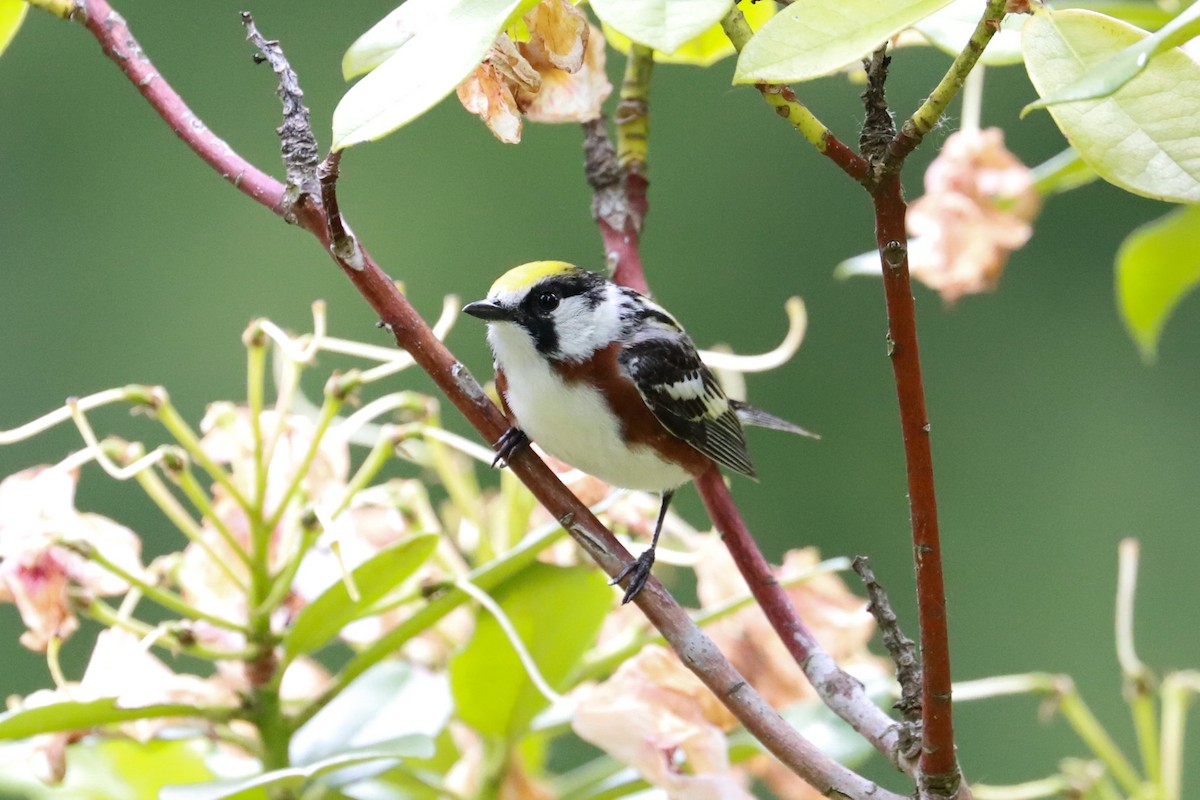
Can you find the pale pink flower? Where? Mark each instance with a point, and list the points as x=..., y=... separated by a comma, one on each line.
x=38, y=574
x=656, y=716
x=978, y=207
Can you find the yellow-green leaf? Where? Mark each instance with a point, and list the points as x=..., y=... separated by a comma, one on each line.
x=662, y=24
x=320, y=620
x=1141, y=138
x=288, y=782
x=811, y=38
x=428, y=63
x=71, y=715
x=1112, y=74
x=706, y=49
x=1157, y=266
x=557, y=612
x=12, y=14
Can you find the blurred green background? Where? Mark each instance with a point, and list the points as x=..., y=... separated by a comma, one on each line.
x=124, y=259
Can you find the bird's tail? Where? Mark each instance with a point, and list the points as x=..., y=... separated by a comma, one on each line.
x=750, y=415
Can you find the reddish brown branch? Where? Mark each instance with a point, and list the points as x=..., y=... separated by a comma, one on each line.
x=110, y=30
x=693, y=646
x=938, y=771
x=938, y=763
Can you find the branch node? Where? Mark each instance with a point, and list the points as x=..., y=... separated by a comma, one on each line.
x=878, y=126
x=467, y=383
x=603, y=174
x=894, y=254
x=297, y=142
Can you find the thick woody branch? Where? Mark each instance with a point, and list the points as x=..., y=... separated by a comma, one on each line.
x=689, y=642
x=938, y=763
x=938, y=771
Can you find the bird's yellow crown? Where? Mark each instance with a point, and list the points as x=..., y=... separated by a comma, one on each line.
x=527, y=275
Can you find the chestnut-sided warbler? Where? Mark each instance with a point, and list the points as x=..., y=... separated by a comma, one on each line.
x=606, y=380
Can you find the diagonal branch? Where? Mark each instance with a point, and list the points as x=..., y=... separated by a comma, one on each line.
x=695, y=649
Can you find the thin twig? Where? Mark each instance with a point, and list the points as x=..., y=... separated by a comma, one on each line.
x=904, y=655
x=789, y=107
x=925, y=118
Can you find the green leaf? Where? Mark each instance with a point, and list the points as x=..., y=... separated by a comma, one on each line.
x=390, y=700
x=1110, y=75
x=427, y=64
x=1143, y=137
x=811, y=38
x=1157, y=265
x=706, y=49
x=321, y=619
x=108, y=769
x=295, y=778
x=557, y=613
x=391, y=33
x=12, y=14
x=662, y=24
x=950, y=29
x=80, y=716
x=1062, y=173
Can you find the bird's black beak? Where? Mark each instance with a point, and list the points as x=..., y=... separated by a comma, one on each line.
x=489, y=310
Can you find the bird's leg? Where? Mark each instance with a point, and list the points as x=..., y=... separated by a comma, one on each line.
x=513, y=440
x=638, y=570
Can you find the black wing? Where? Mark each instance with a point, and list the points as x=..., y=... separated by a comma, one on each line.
x=685, y=396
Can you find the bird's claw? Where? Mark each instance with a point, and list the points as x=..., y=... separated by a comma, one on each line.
x=513, y=440
x=638, y=572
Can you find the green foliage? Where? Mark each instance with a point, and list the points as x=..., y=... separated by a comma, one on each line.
x=118, y=769
x=12, y=14
x=296, y=778
x=1110, y=75
x=557, y=613
x=320, y=620
x=1142, y=138
x=1157, y=266
x=665, y=25
x=950, y=29
x=71, y=715
x=704, y=50
x=446, y=42
x=806, y=40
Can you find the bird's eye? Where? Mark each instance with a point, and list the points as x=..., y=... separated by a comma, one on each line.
x=547, y=301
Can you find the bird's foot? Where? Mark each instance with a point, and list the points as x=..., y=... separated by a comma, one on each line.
x=513, y=440
x=638, y=572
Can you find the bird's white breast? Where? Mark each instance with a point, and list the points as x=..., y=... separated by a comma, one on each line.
x=573, y=422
